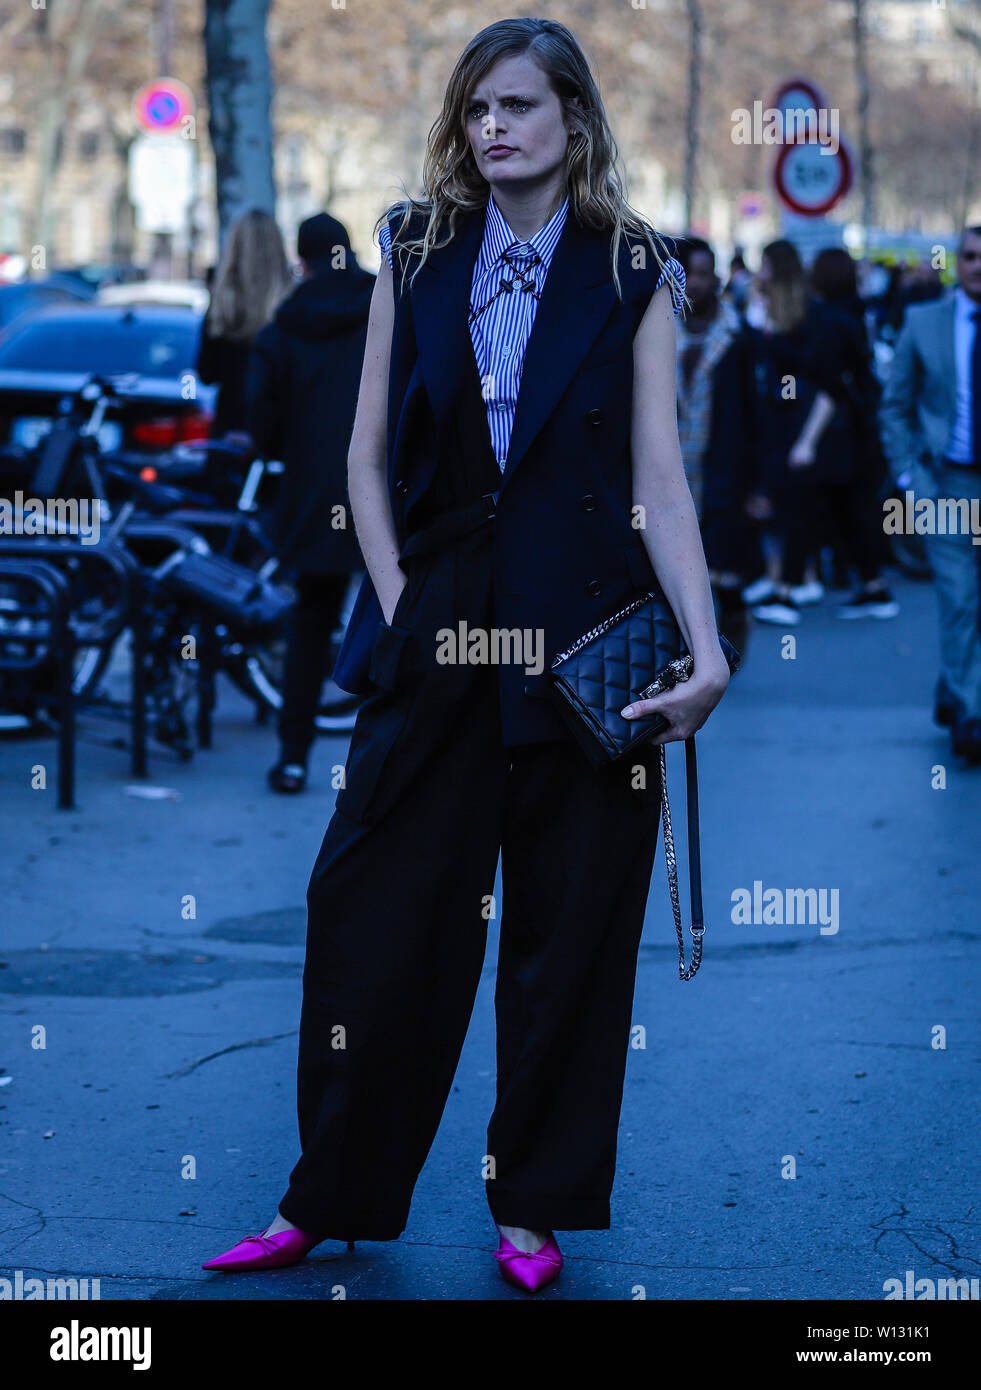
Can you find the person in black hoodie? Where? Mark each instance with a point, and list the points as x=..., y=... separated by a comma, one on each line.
x=302, y=390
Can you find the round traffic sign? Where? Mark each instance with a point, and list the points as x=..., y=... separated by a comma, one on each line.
x=798, y=91
x=809, y=180
x=800, y=103
x=163, y=104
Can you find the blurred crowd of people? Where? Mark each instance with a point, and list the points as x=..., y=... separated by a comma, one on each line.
x=806, y=398
x=778, y=398
x=781, y=410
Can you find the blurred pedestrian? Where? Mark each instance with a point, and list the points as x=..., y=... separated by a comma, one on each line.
x=301, y=395
x=776, y=313
x=715, y=385
x=920, y=283
x=809, y=442
x=850, y=469
x=931, y=418
x=459, y=756
x=738, y=285
x=884, y=312
x=891, y=297
x=251, y=281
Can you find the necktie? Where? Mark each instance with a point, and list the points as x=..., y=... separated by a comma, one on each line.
x=976, y=389
x=520, y=262
x=515, y=276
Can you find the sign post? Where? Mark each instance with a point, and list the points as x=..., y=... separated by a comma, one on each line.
x=162, y=165
x=814, y=166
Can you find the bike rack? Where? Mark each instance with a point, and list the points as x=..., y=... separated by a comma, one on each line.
x=52, y=640
x=182, y=538
x=126, y=613
x=222, y=525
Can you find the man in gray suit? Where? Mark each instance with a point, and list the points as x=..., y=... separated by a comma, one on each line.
x=931, y=425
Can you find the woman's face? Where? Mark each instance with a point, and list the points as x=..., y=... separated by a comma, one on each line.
x=515, y=124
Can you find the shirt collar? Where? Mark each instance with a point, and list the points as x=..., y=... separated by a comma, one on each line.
x=498, y=236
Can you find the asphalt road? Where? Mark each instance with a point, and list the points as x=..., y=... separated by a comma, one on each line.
x=170, y=1042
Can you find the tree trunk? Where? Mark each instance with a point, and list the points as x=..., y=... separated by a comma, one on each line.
x=866, y=173
x=694, y=103
x=66, y=52
x=239, y=96
x=972, y=37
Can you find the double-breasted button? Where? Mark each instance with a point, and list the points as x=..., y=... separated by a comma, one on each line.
x=401, y=486
x=594, y=416
x=594, y=587
x=588, y=502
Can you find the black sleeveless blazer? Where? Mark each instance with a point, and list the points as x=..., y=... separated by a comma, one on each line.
x=565, y=553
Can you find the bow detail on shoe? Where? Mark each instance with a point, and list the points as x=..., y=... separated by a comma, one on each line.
x=266, y=1252
x=544, y=1255
x=529, y=1271
x=266, y=1243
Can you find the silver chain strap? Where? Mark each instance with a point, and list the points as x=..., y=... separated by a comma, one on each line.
x=604, y=626
x=681, y=668
x=672, y=867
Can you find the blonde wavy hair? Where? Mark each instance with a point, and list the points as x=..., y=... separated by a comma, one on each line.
x=452, y=183
x=787, y=293
x=252, y=280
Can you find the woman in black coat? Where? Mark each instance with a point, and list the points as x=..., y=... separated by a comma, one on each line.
x=815, y=465
x=514, y=468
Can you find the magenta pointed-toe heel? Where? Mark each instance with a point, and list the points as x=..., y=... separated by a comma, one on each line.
x=529, y=1272
x=266, y=1252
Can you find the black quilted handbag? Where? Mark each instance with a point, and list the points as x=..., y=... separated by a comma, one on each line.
x=634, y=655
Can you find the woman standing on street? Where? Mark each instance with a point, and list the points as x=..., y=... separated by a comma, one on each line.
x=252, y=280
x=494, y=475
x=849, y=467
x=809, y=363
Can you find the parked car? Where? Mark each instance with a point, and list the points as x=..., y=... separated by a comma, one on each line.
x=46, y=360
x=96, y=275
x=29, y=296
x=189, y=293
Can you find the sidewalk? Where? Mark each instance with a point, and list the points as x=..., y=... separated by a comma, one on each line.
x=171, y=1040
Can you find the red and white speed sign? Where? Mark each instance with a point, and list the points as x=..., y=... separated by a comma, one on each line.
x=810, y=178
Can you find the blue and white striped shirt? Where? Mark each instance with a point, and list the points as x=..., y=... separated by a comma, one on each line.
x=501, y=321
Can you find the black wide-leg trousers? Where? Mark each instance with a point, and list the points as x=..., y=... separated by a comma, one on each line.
x=399, y=901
